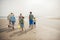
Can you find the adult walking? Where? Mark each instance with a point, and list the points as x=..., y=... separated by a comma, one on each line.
x=8, y=17
x=13, y=20
x=31, y=17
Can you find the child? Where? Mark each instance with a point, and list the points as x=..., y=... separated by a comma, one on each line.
x=13, y=21
x=21, y=21
x=34, y=21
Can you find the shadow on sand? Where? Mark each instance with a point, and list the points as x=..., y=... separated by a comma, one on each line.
x=19, y=33
x=5, y=30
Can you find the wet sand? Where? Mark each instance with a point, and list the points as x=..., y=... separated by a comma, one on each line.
x=46, y=29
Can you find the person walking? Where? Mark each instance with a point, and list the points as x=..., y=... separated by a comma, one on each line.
x=31, y=17
x=13, y=20
x=9, y=20
x=21, y=21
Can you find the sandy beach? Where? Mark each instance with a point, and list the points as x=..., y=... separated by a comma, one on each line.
x=46, y=29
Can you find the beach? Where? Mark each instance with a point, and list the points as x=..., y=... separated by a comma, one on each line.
x=46, y=29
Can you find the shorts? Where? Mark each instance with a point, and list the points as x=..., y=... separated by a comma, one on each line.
x=31, y=22
x=22, y=25
x=13, y=22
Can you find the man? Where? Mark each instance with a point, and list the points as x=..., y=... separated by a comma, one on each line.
x=31, y=20
x=13, y=20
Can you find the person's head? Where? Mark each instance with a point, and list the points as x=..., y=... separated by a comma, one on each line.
x=30, y=12
x=11, y=13
x=20, y=14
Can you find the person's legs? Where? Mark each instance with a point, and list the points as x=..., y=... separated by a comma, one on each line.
x=22, y=26
x=13, y=24
x=10, y=24
x=31, y=24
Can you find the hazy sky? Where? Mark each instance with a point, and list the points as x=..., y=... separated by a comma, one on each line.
x=44, y=8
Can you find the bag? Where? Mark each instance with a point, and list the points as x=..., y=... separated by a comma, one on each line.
x=19, y=27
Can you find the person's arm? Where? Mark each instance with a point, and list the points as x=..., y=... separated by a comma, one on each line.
x=33, y=16
x=29, y=16
x=23, y=17
x=19, y=19
x=15, y=19
x=8, y=17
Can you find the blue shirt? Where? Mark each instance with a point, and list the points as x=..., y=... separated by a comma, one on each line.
x=12, y=18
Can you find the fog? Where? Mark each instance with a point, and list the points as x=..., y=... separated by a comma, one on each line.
x=46, y=29
x=39, y=8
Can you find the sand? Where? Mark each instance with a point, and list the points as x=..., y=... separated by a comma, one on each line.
x=46, y=29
